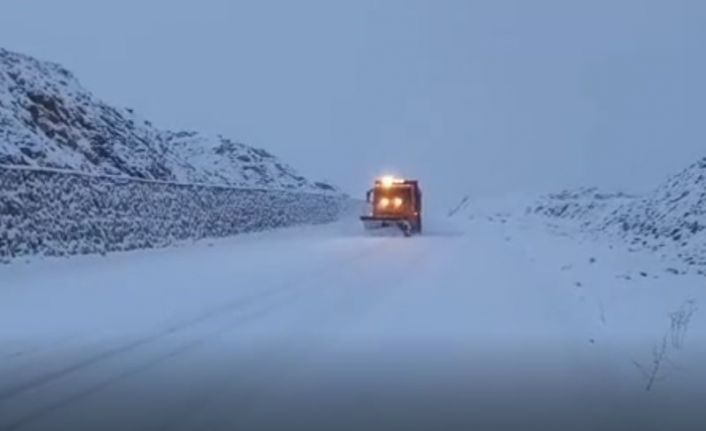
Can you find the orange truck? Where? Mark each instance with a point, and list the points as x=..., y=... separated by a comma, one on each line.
x=395, y=202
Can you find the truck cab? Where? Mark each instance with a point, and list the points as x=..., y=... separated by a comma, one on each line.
x=395, y=202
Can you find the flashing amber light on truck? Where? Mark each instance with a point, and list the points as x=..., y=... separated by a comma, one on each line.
x=388, y=181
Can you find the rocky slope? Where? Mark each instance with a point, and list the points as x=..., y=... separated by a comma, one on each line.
x=48, y=120
x=671, y=219
x=80, y=176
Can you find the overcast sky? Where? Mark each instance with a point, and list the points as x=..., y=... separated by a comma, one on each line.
x=484, y=97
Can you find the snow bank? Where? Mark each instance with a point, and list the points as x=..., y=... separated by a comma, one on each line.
x=585, y=205
x=671, y=219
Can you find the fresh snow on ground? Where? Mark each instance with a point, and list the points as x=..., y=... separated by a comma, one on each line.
x=486, y=321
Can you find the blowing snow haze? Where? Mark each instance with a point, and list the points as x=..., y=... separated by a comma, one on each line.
x=480, y=97
x=179, y=249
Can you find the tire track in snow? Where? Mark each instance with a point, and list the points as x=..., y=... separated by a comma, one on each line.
x=217, y=311
x=109, y=354
x=130, y=372
x=246, y=393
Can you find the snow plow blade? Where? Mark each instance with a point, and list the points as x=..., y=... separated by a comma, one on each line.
x=375, y=223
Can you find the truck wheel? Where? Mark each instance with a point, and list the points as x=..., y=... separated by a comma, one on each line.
x=406, y=228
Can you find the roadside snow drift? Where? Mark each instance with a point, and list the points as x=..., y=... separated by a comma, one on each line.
x=671, y=220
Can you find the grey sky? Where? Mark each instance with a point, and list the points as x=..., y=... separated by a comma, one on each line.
x=483, y=97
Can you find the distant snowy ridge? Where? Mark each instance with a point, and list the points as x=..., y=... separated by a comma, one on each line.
x=48, y=120
x=670, y=219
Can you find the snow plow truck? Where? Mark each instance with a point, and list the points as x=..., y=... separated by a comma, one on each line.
x=394, y=202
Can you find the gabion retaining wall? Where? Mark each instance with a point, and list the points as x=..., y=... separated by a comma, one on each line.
x=60, y=213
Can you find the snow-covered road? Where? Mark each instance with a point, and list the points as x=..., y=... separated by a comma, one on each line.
x=486, y=324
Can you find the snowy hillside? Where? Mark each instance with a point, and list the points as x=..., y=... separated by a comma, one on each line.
x=585, y=205
x=78, y=176
x=218, y=160
x=671, y=219
x=673, y=216
x=48, y=120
